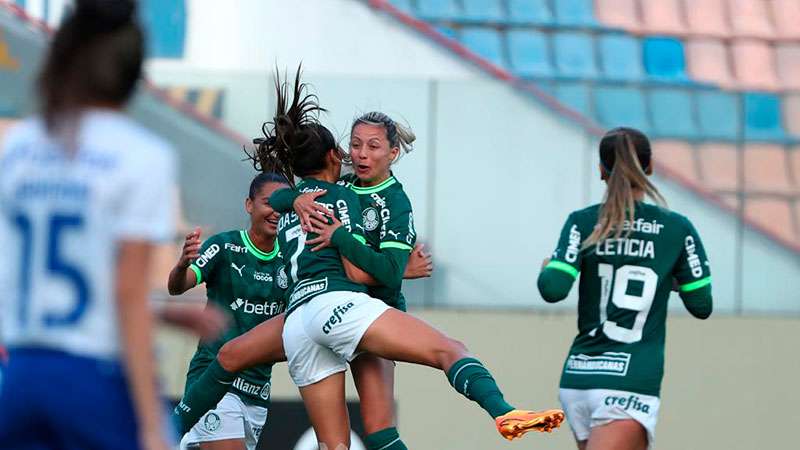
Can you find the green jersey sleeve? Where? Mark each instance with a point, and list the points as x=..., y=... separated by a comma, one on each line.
x=210, y=255
x=282, y=200
x=557, y=277
x=693, y=274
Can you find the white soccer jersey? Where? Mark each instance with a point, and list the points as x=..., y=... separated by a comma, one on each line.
x=63, y=214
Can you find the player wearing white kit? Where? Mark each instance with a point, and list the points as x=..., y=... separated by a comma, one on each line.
x=84, y=193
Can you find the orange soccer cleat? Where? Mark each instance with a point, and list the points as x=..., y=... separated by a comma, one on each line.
x=514, y=424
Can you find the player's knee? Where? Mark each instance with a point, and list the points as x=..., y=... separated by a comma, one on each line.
x=375, y=421
x=449, y=351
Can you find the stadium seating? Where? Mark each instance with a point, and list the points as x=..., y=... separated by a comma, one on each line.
x=671, y=113
x=575, y=13
x=754, y=65
x=664, y=59
x=438, y=10
x=447, y=31
x=528, y=54
x=718, y=115
x=530, y=12
x=619, y=14
x=786, y=14
x=575, y=95
x=482, y=11
x=750, y=18
x=485, y=42
x=620, y=57
x=707, y=17
x=165, y=21
x=403, y=5
x=719, y=166
x=574, y=55
x=662, y=17
x=791, y=114
x=763, y=117
x=707, y=61
x=766, y=169
x=788, y=64
x=676, y=156
x=620, y=106
x=773, y=214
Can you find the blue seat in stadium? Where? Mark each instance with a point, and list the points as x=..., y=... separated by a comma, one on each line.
x=486, y=42
x=528, y=54
x=438, y=10
x=574, y=54
x=664, y=59
x=447, y=31
x=718, y=115
x=165, y=22
x=482, y=11
x=403, y=5
x=576, y=95
x=621, y=57
x=762, y=114
x=620, y=106
x=672, y=114
x=575, y=13
x=530, y=12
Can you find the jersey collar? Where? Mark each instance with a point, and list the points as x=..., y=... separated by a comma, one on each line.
x=372, y=189
x=255, y=251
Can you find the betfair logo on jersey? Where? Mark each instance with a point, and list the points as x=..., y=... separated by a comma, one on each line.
x=266, y=308
x=641, y=226
x=628, y=403
x=574, y=247
x=336, y=317
x=609, y=363
x=235, y=248
x=693, y=260
x=210, y=252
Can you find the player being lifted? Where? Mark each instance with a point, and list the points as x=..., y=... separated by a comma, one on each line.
x=243, y=273
x=330, y=319
x=376, y=143
x=629, y=254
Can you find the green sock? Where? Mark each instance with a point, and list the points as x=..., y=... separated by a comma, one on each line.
x=386, y=439
x=472, y=380
x=202, y=396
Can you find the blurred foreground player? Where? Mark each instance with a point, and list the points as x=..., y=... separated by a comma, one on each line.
x=84, y=195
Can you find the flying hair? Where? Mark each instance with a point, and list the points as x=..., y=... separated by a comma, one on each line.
x=294, y=142
x=625, y=154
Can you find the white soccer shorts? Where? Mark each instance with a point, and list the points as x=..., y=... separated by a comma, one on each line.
x=231, y=419
x=321, y=336
x=588, y=408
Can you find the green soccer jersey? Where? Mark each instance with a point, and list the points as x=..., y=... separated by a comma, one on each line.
x=624, y=287
x=314, y=273
x=250, y=286
x=388, y=224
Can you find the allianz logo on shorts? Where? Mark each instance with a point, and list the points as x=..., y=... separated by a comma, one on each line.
x=628, y=403
x=609, y=363
x=338, y=312
x=246, y=387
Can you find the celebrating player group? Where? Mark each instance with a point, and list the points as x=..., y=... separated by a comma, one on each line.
x=314, y=280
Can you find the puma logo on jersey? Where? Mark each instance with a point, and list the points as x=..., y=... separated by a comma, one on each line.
x=238, y=269
x=395, y=235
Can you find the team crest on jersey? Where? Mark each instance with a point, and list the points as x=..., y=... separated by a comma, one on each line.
x=370, y=216
x=265, y=391
x=283, y=280
x=212, y=422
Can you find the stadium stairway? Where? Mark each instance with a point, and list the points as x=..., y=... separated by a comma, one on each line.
x=715, y=84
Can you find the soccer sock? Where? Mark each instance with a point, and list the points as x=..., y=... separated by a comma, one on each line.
x=386, y=439
x=202, y=396
x=472, y=380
